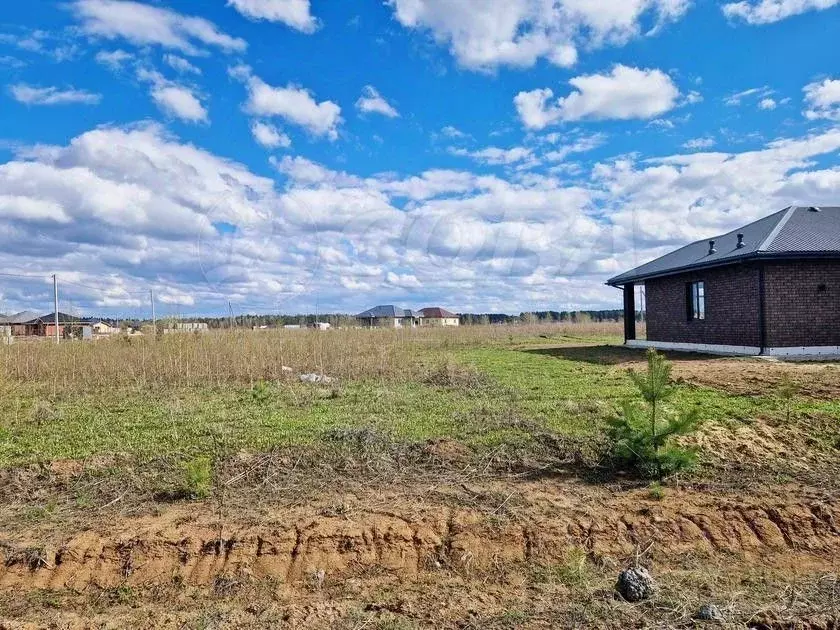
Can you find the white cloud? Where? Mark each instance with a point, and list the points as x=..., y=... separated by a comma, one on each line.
x=147, y=208
x=180, y=64
x=453, y=132
x=371, y=102
x=34, y=95
x=769, y=11
x=173, y=98
x=735, y=100
x=269, y=136
x=402, y=281
x=113, y=59
x=294, y=13
x=519, y=32
x=144, y=24
x=623, y=94
x=822, y=98
x=292, y=103
x=699, y=143
x=496, y=156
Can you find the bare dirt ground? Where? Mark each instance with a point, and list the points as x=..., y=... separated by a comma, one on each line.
x=743, y=376
x=453, y=543
x=504, y=553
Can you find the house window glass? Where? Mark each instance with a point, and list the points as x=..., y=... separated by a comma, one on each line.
x=696, y=300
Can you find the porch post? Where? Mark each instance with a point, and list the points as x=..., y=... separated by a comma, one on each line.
x=629, y=311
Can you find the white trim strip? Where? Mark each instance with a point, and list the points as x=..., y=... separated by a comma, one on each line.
x=707, y=348
x=803, y=351
x=816, y=352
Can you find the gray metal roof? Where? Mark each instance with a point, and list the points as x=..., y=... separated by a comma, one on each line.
x=792, y=232
x=388, y=310
x=19, y=318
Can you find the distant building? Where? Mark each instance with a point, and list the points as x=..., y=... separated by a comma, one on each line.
x=389, y=316
x=436, y=316
x=29, y=324
x=771, y=287
x=187, y=327
x=101, y=328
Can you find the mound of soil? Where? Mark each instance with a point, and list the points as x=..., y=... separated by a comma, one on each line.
x=193, y=546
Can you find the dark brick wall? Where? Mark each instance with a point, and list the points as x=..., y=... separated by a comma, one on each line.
x=797, y=312
x=732, y=307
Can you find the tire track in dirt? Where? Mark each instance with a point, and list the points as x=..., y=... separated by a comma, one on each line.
x=158, y=550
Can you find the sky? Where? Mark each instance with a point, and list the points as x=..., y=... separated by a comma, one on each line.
x=283, y=156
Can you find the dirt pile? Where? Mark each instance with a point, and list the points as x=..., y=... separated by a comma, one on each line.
x=197, y=549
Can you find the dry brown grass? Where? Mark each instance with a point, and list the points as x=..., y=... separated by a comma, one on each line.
x=244, y=357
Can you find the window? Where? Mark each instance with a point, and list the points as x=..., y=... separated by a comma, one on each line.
x=696, y=300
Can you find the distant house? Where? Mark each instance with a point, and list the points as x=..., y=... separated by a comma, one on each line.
x=102, y=328
x=187, y=327
x=389, y=316
x=436, y=316
x=18, y=325
x=29, y=324
x=771, y=287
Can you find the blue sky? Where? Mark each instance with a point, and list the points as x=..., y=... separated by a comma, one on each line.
x=503, y=155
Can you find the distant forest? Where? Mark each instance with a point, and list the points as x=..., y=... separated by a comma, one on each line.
x=467, y=319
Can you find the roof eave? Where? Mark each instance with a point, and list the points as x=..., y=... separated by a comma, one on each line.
x=615, y=282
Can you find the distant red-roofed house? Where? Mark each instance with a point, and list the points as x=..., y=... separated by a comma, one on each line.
x=436, y=316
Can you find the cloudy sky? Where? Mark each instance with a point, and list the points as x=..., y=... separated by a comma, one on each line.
x=483, y=155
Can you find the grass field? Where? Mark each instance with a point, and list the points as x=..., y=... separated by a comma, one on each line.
x=493, y=425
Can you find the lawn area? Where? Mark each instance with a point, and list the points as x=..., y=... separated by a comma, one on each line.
x=480, y=391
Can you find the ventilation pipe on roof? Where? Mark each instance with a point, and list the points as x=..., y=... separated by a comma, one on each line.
x=712, y=249
x=740, y=241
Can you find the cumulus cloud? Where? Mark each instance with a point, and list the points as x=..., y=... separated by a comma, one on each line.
x=767, y=104
x=699, y=143
x=453, y=132
x=769, y=11
x=294, y=13
x=173, y=98
x=294, y=104
x=35, y=95
x=114, y=59
x=154, y=210
x=371, y=102
x=622, y=94
x=144, y=24
x=519, y=32
x=269, y=136
x=180, y=64
x=496, y=156
x=822, y=99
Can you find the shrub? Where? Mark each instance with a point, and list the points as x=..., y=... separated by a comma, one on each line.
x=642, y=437
x=198, y=477
x=260, y=392
x=786, y=393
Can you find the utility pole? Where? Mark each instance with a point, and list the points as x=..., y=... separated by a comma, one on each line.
x=55, y=304
x=154, y=317
x=230, y=315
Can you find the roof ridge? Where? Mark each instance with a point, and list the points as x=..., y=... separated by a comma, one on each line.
x=775, y=231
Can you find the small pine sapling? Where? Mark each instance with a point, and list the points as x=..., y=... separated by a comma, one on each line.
x=786, y=393
x=642, y=437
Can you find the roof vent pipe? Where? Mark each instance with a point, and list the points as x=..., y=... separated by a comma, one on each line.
x=740, y=241
x=712, y=249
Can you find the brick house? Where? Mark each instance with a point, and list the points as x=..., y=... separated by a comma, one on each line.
x=771, y=287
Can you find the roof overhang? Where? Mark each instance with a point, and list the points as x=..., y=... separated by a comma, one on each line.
x=618, y=281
